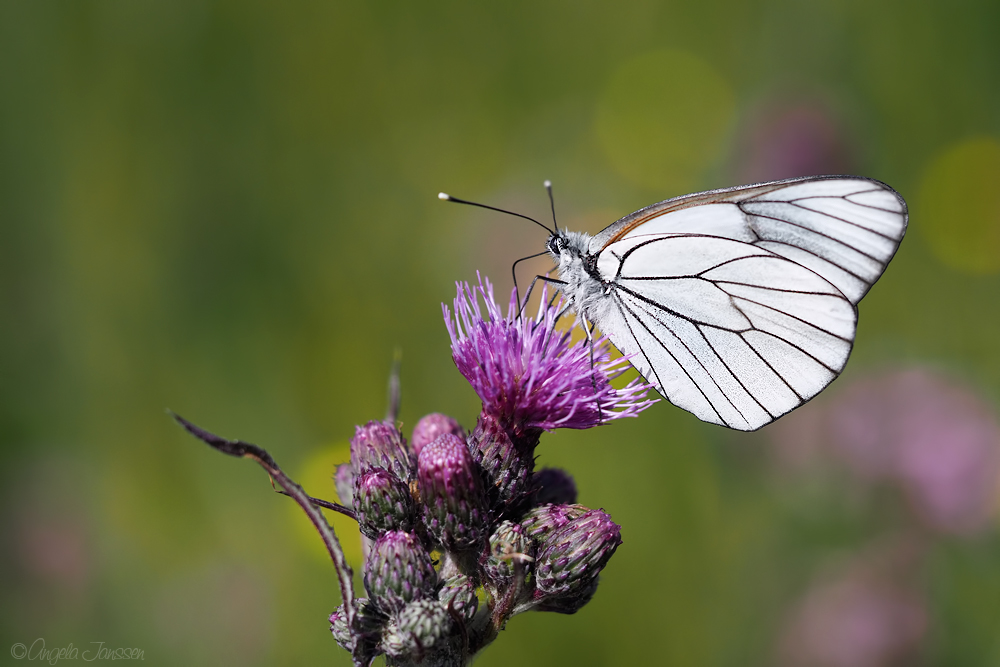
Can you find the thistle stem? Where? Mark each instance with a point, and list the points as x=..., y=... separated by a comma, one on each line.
x=246, y=450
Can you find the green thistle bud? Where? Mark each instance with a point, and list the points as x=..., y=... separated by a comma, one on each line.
x=570, y=558
x=459, y=595
x=421, y=626
x=382, y=503
x=368, y=624
x=510, y=550
x=452, y=494
x=399, y=570
x=338, y=626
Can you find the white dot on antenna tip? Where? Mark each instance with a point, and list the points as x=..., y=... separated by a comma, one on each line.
x=547, y=184
x=442, y=195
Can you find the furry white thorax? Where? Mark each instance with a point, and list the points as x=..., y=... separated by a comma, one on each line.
x=587, y=295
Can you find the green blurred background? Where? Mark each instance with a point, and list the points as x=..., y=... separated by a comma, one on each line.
x=229, y=209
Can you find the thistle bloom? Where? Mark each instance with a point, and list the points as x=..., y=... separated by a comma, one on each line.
x=531, y=376
x=450, y=488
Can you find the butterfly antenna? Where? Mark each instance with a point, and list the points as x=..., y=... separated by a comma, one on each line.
x=552, y=202
x=446, y=197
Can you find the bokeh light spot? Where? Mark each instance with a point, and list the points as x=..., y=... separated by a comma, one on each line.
x=960, y=206
x=664, y=118
x=316, y=477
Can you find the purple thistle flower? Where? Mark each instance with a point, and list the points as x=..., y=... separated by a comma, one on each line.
x=531, y=376
x=381, y=445
x=452, y=493
x=399, y=570
x=431, y=427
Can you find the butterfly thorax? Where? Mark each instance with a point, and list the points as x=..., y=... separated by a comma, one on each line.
x=583, y=285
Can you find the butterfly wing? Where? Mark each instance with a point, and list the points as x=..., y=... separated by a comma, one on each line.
x=739, y=304
x=845, y=228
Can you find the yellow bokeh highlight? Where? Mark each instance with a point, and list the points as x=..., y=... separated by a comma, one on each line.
x=664, y=118
x=960, y=206
x=315, y=475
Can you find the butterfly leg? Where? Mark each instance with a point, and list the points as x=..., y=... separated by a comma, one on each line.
x=513, y=271
x=588, y=328
x=527, y=295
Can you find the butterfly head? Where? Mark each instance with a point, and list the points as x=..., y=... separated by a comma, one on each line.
x=556, y=245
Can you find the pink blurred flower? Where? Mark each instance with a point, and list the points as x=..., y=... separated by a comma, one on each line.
x=784, y=138
x=934, y=438
x=862, y=616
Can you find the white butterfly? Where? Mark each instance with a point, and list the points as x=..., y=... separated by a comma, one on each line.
x=738, y=305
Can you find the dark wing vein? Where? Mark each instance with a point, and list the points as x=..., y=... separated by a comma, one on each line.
x=735, y=376
x=809, y=229
x=829, y=215
x=621, y=304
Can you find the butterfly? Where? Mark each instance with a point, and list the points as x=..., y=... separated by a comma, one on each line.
x=740, y=304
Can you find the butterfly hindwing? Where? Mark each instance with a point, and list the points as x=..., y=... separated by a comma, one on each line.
x=728, y=330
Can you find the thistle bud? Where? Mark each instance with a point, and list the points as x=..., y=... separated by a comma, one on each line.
x=568, y=603
x=368, y=624
x=381, y=445
x=510, y=550
x=507, y=466
x=338, y=626
x=382, y=503
x=540, y=521
x=552, y=486
x=571, y=557
x=451, y=490
x=399, y=570
x=420, y=626
x=459, y=595
x=343, y=480
x=431, y=427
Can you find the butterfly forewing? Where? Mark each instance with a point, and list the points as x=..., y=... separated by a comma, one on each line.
x=844, y=228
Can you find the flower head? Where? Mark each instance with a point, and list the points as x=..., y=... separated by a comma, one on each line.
x=382, y=503
x=399, y=570
x=530, y=375
x=430, y=427
x=571, y=557
x=381, y=445
x=452, y=493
